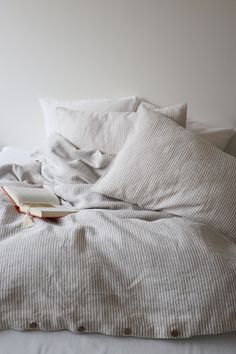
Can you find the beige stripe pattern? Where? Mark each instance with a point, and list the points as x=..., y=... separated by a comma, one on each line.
x=113, y=268
x=106, y=131
x=163, y=166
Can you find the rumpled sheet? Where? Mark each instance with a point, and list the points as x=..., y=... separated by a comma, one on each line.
x=111, y=268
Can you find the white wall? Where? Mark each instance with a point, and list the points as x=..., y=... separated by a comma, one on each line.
x=167, y=51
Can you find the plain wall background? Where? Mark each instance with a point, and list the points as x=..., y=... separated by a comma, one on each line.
x=167, y=51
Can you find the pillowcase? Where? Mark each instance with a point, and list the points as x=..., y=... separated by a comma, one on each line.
x=107, y=131
x=164, y=166
x=219, y=137
x=231, y=147
x=121, y=104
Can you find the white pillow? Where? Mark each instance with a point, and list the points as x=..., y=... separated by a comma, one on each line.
x=164, y=166
x=220, y=137
x=121, y=104
x=107, y=131
x=231, y=147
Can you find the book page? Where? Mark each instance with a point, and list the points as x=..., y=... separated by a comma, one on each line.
x=48, y=212
x=32, y=196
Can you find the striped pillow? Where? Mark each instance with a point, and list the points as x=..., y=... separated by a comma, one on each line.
x=105, y=131
x=119, y=104
x=164, y=166
x=220, y=137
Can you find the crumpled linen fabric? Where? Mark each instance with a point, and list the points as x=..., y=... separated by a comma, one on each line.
x=113, y=267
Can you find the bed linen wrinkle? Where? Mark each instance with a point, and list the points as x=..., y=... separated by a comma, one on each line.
x=112, y=268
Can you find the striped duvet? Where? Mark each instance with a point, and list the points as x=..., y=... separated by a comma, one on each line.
x=111, y=268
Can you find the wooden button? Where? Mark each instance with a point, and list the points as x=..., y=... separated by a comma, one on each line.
x=174, y=333
x=127, y=331
x=81, y=329
x=33, y=325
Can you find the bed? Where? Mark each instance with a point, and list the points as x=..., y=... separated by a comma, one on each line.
x=54, y=164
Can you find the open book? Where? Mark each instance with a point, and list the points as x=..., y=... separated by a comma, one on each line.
x=38, y=202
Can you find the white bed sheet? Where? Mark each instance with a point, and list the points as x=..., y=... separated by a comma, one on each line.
x=10, y=154
x=65, y=342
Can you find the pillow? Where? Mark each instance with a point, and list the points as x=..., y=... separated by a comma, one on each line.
x=231, y=147
x=121, y=104
x=219, y=137
x=107, y=131
x=164, y=166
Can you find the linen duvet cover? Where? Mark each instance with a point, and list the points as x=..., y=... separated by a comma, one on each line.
x=113, y=267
